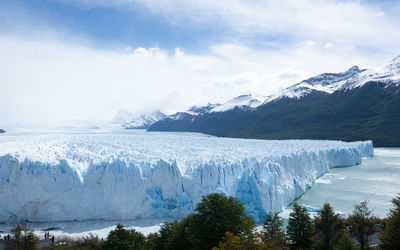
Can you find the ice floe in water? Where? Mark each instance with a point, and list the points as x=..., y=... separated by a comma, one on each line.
x=323, y=181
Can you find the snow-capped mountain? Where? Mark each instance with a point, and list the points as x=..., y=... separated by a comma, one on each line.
x=331, y=82
x=394, y=66
x=127, y=120
x=387, y=75
x=327, y=82
x=244, y=102
x=250, y=101
x=357, y=104
x=201, y=110
x=123, y=116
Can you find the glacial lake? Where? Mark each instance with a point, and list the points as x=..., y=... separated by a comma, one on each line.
x=377, y=180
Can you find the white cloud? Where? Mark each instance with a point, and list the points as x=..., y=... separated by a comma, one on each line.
x=48, y=79
x=344, y=23
x=51, y=82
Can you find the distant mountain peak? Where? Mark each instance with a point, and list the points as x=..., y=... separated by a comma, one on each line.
x=127, y=120
x=331, y=78
x=354, y=68
x=123, y=115
x=249, y=100
x=326, y=82
x=388, y=75
x=157, y=113
x=396, y=59
x=199, y=110
x=394, y=65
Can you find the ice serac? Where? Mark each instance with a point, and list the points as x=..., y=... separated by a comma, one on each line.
x=132, y=175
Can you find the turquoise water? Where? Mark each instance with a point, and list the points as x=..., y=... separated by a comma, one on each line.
x=377, y=179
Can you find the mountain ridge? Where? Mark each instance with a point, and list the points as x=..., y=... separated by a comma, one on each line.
x=357, y=104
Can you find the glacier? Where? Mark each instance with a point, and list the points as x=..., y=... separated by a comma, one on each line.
x=60, y=175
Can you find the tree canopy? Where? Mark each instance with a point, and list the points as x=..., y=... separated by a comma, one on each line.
x=122, y=238
x=216, y=215
x=329, y=226
x=362, y=222
x=299, y=228
x=390, y=237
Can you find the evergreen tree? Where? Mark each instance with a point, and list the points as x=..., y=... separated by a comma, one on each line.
x=272, y=229
x=176, y=235
x=329, y=226
x=390, y=237
x=121, y=238
x=216, y=215
x=166, y=235
x=362, y=222
x=299, y=228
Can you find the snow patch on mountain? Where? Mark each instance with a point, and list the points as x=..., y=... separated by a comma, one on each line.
x=128, y=174
x=251, y=101
x=123, y=116
x=201, y=110
x=243, y=101
x=327, y=82
x=332, y=82
x=394, y=65
x=388, y=75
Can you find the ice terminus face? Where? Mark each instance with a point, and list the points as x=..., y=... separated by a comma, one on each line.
x=73, y=175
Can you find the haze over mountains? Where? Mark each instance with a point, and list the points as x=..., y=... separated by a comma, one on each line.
x=354, y=105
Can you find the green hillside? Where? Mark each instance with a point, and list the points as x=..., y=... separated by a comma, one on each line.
x=371, y=112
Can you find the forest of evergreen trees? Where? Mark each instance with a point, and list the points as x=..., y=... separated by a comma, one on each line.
x=219, y=222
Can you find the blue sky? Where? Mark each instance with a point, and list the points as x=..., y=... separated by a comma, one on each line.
x=111, y=27
x=130, y=23
x=84, y=59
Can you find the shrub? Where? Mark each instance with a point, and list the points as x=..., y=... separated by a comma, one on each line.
x=121, y=238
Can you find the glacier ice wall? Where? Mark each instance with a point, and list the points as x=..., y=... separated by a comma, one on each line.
x=63, y=175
